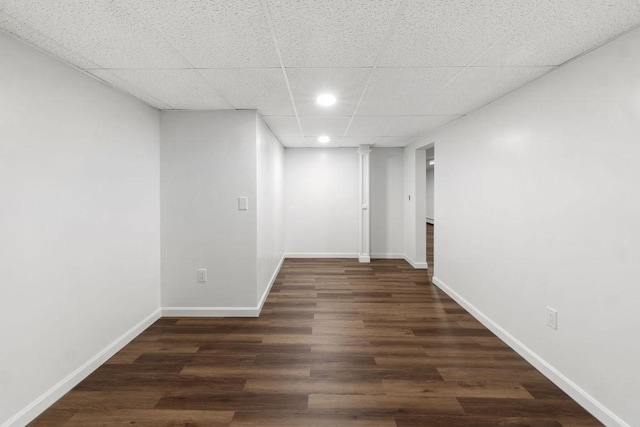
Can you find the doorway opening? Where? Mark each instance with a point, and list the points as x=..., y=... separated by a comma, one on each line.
x=429, y=211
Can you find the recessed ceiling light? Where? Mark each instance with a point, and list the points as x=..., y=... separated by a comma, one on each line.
x=324, y=139
x=326, y=99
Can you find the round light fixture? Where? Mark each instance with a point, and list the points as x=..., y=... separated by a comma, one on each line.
x=326, y=99
x=324, y=139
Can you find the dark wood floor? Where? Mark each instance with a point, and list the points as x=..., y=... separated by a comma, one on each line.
x=430, y=244
x=338, y=343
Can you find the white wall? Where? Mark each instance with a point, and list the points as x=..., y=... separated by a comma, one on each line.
x=386, y=202
x=208, y=159
x=79, y=226
x=538, y=205
x=321, y=201
x=429, y=212
x=414, y=207
x=270, y=195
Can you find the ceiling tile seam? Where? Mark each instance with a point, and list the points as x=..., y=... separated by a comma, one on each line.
x=156, y=30
x=483, y=52
x=274, y=39
x=85, y=71
x=390, y=31
x=495, y=42
x=128, y=83
x=46, y=52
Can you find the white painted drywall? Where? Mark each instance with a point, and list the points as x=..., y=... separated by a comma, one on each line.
x=321, y=201
x=429, y=211
x=538, y=198
x=270, y=199
x=415, y=228
x=386, y=196
x=79, y=222
x=208, y=160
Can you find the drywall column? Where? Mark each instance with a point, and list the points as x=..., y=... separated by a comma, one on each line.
x=364, y=151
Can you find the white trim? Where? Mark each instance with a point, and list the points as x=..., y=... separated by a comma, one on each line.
x=364, y=258
x=387, y=256
x=210, y=312
x=416, y=265
x=587, y=401
x=320, y=255
x=224, y=311
x=265, y=294
x=48, y=398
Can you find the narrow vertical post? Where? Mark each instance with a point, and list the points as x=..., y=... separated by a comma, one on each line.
x=363, y=255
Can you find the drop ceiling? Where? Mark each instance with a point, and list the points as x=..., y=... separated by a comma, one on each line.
x=400, y=69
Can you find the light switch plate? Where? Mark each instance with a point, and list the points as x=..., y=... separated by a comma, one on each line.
x=243, y=203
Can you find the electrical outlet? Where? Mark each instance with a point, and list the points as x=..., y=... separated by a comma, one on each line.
x=552, y=318
x=202, y=275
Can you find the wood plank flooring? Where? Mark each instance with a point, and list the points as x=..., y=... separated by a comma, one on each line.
x=338, y=343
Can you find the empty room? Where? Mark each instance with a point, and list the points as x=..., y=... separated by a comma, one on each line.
x=366, y=213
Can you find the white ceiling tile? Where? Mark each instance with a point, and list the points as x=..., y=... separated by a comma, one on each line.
x=105, y=32
x=450, y=33
x=331, y=33
x=561, y=29
x=261, y=89
x=346, y=84
x=334, y=126
x=213, y=33
x=181, y=89
x=401, y=91
x=354, y=141
x=413, y=126
x=35, y=38
x=397, y=125
x=111, y=78
x=283, y=126
x=372, y=125
x=396, y=141
x=478, y=86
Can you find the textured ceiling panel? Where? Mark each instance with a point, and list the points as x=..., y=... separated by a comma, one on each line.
x=283, y=126
x=444, y=32
x=354, y=141
x=396, y=141
x=372, y=125
x=125, y=86
x=396, y=125
x=262, y=89
x=213, y=33
x=411, y=126
x=562, y=29
x=331, y=33
x=35, y=38
x=181, y=89
x=399, y=69
x=346, y=83
x=401, y=91
x=104, y=32
x=477, y=86
x=334, y=126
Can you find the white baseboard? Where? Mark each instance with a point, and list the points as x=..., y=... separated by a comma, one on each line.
x=265, y=294
x=364, y=258
x=320, y=255
x=387, y=256
x=587, y=401
x=48, y=398
x=210, y=312
x=414, y=264
x=224, y=311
